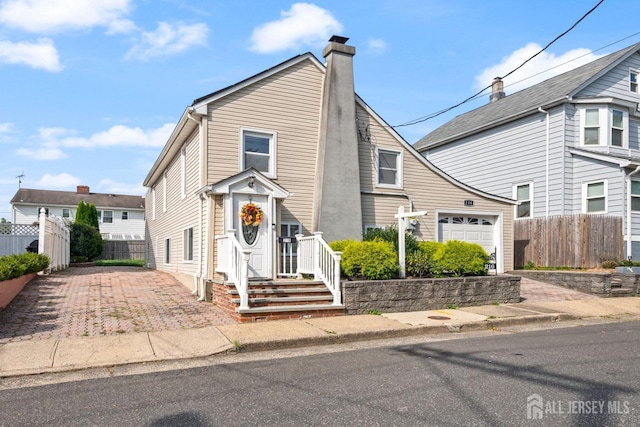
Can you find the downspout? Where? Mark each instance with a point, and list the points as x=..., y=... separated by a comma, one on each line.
x=197, y=279
x=563, y=159
x=205, y=258
x=628, y=182
x=546, y=209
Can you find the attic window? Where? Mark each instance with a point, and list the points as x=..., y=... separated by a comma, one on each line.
x=258, y=151
x=633, y=81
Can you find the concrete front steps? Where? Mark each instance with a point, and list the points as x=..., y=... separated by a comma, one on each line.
x=277, y=300
x=620, y=288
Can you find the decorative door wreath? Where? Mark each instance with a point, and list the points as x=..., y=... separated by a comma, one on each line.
x=251, y=216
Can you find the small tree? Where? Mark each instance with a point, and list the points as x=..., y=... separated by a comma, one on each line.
x=87, y=214
x=86, y=242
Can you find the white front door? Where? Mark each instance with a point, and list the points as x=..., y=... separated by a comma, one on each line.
x=256, y=239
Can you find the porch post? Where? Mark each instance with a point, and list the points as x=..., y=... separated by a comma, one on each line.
x=298, y=259
x=337, y=293
x=244, y=280
x=316, y=255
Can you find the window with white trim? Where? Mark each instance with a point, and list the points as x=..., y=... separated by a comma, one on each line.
x=66, y=213
x=124, y=216
x=258, y=151
x=107, y=217
x=389, y=168
x=633, y=81
x=187, y=244
x=167, y=251
x=522, y=193
x=595, y=197
x=603, y=126
x=635, y=196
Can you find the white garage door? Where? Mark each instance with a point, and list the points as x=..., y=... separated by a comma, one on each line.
x=473, y=229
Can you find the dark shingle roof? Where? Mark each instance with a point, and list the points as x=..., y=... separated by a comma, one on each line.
x=546, y=93
x=71, y=198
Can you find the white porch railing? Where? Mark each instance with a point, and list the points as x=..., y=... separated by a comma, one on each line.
x=233, y=260
x=316, y=257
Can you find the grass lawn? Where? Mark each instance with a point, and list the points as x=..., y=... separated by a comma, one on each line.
x=120, y=262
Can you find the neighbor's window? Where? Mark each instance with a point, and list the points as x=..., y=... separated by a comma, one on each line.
x=107, y=217
x=592, y=126
x=633, y=81
x=66, y=213
x=635, y=196
x=389, y=168
x=595, y=197
x=258, y=151
x=617, y=128
x=523, y=196
x=187, y=240
x=125, y=215
x=167, y=251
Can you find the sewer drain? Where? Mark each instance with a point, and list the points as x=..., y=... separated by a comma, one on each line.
x=438, y=317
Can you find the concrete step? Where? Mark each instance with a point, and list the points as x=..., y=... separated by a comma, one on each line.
x=290, y=308
x=285, y=300
x=621, y=292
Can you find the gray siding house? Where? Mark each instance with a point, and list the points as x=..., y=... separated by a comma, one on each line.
x=568, y=145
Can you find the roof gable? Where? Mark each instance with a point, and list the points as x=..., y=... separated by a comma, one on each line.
x=548, y=93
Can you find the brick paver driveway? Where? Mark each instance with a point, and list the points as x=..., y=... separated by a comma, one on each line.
x=104, y=301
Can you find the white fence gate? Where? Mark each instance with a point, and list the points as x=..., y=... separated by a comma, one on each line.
x=54, y=241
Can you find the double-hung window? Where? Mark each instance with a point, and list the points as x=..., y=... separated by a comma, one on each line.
x=635, y=196
x=66, y=213
x=595, y=197
x=258, y=151
x=107, y=217
x=389, y=168
x=617, y=128
x=604, y=126
x=522, y=193
x=592, y=126
x=187, y=242
x=633, y=81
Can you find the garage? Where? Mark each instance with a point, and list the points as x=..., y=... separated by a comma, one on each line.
x=480, y=229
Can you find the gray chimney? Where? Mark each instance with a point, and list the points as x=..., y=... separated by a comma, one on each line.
x=497, y=90
x=337, y=209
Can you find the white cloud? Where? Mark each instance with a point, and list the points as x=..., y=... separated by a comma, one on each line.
x=305, y=24
x=168, y=39
x=536, y=69
x=42, y=54
x=42, y=153
x=60, y=181
x=47, y=16
x=6, y=127
x=112, y=187
x=377, y=45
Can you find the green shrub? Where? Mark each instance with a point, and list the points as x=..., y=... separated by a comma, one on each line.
x=420, y=262
x=13, y=266
x=339, y=245
x=610, y=263
x=370, y=260
x=390, y=234
x=460, y=259
x=86, y=241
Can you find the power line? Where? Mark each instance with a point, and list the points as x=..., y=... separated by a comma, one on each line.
x=438, y=113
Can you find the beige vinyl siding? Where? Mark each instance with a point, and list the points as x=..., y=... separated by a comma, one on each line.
x=181, y=213
x=287, y=104
x=427, y=190
x=218, y=230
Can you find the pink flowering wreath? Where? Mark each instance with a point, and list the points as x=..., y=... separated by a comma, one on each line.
x=251, y=215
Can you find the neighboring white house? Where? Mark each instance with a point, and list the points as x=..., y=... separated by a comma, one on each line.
x=297, y=142
x=568, y=145
x=121, y=217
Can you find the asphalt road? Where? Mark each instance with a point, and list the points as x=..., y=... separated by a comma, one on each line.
x=579, y=376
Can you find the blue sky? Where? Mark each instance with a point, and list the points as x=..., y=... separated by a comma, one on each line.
x=91, y=89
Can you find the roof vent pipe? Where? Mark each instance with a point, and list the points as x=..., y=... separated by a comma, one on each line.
x=497, y=90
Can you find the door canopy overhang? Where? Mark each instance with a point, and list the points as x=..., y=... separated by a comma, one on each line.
x=250, y=181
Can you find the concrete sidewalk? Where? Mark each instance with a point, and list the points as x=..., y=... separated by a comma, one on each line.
x=66, y=354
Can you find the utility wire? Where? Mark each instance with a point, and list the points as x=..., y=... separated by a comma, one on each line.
x=438, y=113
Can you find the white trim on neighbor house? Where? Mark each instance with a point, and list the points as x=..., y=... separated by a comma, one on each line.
x=601, y=125
x=272, y=137
x=188, y=248
x=530, y=200
x=585, y=197
x=635, y=196
x=398, y=167
x=634, y=81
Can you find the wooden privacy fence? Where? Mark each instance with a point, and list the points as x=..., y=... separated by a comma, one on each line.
x=123, y=249
x=568, y=241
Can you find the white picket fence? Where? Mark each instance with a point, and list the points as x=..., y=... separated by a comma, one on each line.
x=54, y=241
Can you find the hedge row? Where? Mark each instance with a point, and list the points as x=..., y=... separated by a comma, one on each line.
x=13, y=266
x=378, y=259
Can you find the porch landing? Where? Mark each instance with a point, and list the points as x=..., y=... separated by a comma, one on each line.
x=277, y=300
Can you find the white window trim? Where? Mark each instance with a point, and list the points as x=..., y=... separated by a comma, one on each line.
x=606, y=197
x=515, y=197
x=166, y=253
x=183, y=172
x=102, y=216
x=637, y=73
x=66, y=209
x=633, y=195
x=605, y=124
x=399, y=171
x=122, y=214
x=153, y=203
x=273, y=149
x=186, y=260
